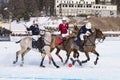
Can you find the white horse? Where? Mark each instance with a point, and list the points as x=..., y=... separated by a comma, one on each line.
x=43, y=46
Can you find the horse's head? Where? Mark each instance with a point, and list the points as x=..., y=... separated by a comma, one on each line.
x=99, y=34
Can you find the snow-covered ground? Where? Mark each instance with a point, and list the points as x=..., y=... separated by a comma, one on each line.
x=108, y=67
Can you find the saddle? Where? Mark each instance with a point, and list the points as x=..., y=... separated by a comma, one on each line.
x=59, y=41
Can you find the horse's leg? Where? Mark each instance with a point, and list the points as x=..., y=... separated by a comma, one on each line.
x=51, y=49
x=73, y=61
x=47, y=50
x=79, y=62
x=76, y=56
x=88, y=58
x=96, y=53
x=53, y=62
x=22, y=55
x=17, y=53
x=57, y=53
x=43, y=57
x=68, y=55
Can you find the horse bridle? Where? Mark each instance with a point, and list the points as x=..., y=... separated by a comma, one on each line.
x=93, y=44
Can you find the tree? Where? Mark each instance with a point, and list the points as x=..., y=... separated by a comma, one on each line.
x=31, y=7
x=15, y=10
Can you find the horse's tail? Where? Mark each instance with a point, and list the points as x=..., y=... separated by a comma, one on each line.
x=18, y=41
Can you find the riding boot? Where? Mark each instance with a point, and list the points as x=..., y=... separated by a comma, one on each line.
x=34, y=43
x=63, y=41
x=81, y=45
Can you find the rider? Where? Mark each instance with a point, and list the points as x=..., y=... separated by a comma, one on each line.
x=35, y=32
x=34, y=28
x=63, y=27
x=85, y=30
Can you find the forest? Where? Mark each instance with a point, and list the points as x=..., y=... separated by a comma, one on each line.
x=18, y=9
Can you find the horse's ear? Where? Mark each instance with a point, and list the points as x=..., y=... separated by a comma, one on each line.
x=97, y=29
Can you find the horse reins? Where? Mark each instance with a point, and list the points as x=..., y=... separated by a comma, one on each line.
x=93, y=44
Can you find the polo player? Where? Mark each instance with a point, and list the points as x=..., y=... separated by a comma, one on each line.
x=85, y=30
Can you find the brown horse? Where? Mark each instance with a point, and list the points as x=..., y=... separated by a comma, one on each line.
x=43, y=46
x=89, y=45
x=67, y=47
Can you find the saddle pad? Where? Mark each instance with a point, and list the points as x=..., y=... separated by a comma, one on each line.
x=59, y=40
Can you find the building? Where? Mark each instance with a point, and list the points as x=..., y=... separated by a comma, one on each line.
x=87, y=7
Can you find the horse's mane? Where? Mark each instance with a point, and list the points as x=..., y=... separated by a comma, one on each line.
x=91, y=38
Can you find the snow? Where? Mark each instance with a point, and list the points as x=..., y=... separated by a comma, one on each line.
x=108, y=67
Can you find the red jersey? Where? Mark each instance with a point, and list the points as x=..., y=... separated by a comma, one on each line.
x=63, y=28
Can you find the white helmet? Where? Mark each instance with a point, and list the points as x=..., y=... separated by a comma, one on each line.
x=63, y=18
x=35, y=22
x=88, y=25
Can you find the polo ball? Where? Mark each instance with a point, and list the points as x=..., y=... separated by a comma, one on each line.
x=70, y=65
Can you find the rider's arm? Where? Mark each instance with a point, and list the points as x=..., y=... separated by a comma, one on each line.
x=60, y=26
x=90, y=31
x=30, y=28
x=67, y=25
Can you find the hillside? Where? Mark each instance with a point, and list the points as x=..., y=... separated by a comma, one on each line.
x=106, y=23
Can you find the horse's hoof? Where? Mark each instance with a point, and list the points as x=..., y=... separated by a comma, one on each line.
x=21, y=65
x=50, y=62
x=95, y=63
x=80, y=64
x=84, y=61
x=14, y=62
x=57, y=67
x=42, y=66
x=64, y=63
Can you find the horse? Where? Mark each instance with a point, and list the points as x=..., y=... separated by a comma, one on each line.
x=89, y=46
x=43, y=46
x=68, y=42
